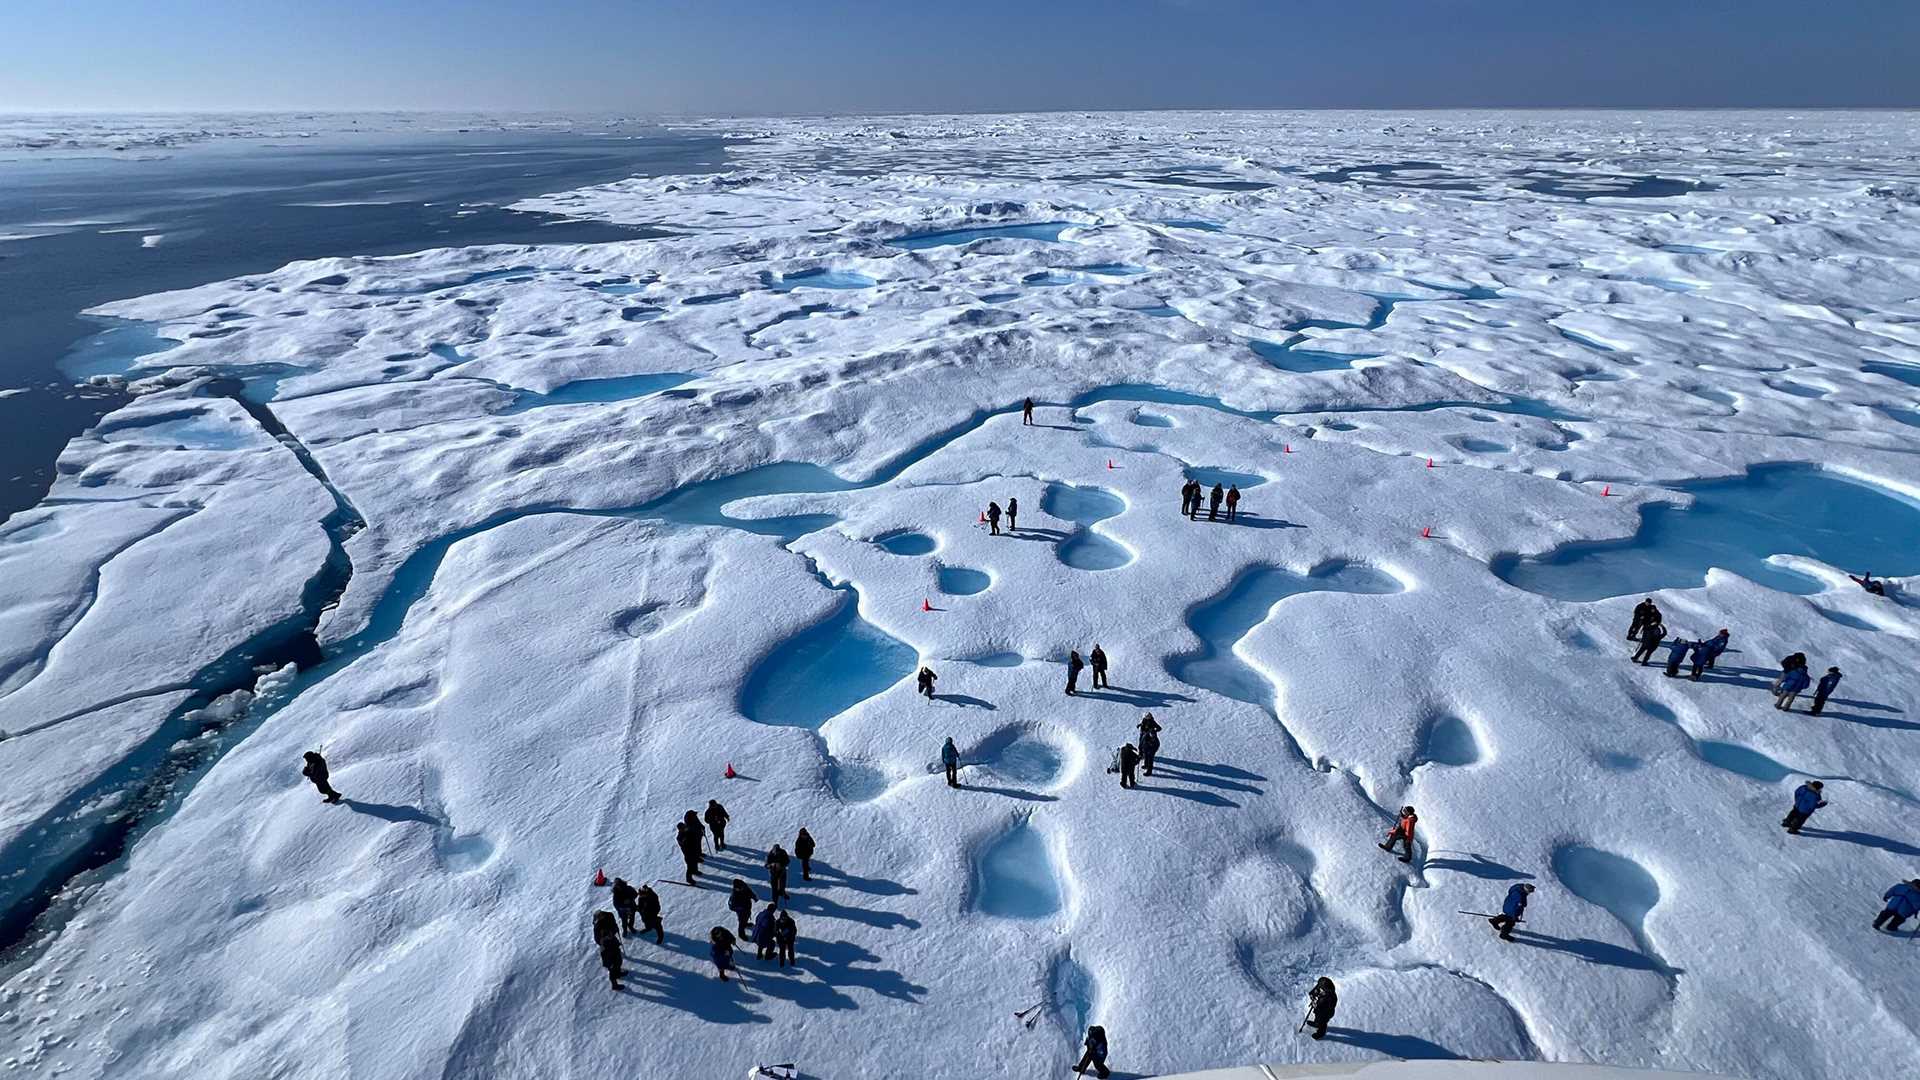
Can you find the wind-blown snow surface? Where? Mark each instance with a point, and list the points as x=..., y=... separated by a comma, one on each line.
x=624, y=508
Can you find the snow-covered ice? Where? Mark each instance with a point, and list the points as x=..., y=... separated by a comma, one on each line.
x=578, y=527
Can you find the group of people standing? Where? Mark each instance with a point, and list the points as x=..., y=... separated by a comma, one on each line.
x=773, y=930
x=1649, y=629
x=1192, y=493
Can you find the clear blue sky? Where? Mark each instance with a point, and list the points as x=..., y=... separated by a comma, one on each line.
x=720, y=56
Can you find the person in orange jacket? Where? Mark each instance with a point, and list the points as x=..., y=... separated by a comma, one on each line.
x=1402, y=831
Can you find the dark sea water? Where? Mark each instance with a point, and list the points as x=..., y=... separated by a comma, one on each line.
x=226, y=208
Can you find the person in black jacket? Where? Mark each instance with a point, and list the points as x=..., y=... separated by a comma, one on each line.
x=777, y=861
x=1074, y=666
x=625, y=904
x=606, y=934
x=740, y=901
x=316, y=770
x=687, y=835
x=1096, y=1055
x=1098, y=661
x=647, y=903
x=1129, y=758
x=803, y=847
x=1321, y=1003
x=784, y=935
x=716, y=816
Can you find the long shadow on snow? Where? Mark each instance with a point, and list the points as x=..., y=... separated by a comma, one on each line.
x=873, y=886
x=1596, y=952
x=1864, y=840
x=1207, y=797
x=967, y=701
x=1400, y=1046
x=1160, y=772
x=1246, y=520
x=834, y=962
x=819, y=907
x=1476, y=865
x=696, y=992
x=1218, y=770
x=391, y=812
x=1140, y=699
x=1010, y=793
x=1051, y=536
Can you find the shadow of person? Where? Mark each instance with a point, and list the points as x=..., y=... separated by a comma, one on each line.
x=392, y=812
x=1141, y=699
x=1476, y=865
x=967, y=701
x=1596, y=952
x=1399, y=1046
x=1898, y=847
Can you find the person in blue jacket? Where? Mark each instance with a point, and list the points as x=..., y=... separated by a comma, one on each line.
x=1676, y=652
x=1716, y=645
x=1902, y=901
x=1806, y=799
x=1824, y=689
x=950, y=757
x=1512, y=910
x=1789, y=687
x=763, y=933
x=1702, y=649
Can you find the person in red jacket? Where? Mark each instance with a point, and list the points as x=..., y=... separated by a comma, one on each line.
x=1402, y=831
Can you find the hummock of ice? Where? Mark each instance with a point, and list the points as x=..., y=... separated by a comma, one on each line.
x=566, y=607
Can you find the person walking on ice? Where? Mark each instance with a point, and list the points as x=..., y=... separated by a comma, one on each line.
x=1322, y=1000
x=1194, y=495
x=1676, y=653
x=1824, y=690
x=1096, y=1055
x=784, y=935
x=1650, y=636
x=1644, y=612
x=1806, y=799
x=720, y=948
x=607, y=935
x=763, y=933
x=993, y=518
x=1789, y=687
x=625, y=904
x=803, y=849
x=1902, y=901
x=717, y=819
x=1512, y=911
x=1099, y=659
x=1716, y=645
x=1402, y=832
x=777, y=862
x=950, y=757
x=1149, y=749
x=686, y=836
x=740, y=901
x=1026, y=412
x=1213, y=502
x=315, y=770
x=1233, y=503
x=1013, y=514
x=925, y=681
x=1129, y=760
x=648, y=904
x=1074, y=666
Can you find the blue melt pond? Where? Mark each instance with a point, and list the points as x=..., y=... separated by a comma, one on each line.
x=1226, y=478
x=588, y=391
x=1046, y=230
x=1906, y=373
x=825, y=670
x=1735, y=525
x=1189, y=223
x=822, y=279
x=907, y=543
x=114, y=351
x=1222, y=622
x=1302, y=361
x=1085, y=506
x=1014, y=877
x=962, y=581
